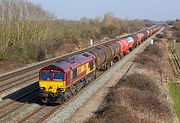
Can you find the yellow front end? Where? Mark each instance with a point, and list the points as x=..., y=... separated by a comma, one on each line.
x=52, y=86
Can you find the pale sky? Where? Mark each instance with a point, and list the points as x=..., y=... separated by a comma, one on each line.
x=126, y=9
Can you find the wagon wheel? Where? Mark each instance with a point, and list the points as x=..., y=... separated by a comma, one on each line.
x=73, y=89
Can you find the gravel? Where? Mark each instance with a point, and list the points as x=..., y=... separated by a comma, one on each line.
x=17, y=115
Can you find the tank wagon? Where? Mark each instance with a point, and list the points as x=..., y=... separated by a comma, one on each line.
x=60, y=80
x=131, y=43
x=140, y=38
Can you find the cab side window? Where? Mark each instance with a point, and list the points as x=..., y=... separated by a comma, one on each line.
x=73, y=74
x=91, y=65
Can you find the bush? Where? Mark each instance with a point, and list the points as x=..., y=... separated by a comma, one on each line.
x=13, y=53
x=145, y=101
x=154, y=50
x=140, y=82
x=160, y=35
x=151, y=57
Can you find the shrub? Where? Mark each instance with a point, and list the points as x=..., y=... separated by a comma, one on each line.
x=140, y=82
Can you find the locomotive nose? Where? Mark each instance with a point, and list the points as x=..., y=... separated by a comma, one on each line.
x=50, y=87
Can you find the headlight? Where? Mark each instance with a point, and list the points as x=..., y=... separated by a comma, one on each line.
x=42, y=89
x=60, y=89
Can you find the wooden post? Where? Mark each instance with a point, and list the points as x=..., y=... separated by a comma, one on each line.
x=152, y=41
x=91, y=42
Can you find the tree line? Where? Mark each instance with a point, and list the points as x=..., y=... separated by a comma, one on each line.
x=28, y=33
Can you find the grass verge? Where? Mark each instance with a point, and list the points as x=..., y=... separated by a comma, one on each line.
x=175, y=95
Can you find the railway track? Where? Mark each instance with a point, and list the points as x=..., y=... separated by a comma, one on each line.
x=40, y=114
x=12, y=84
x=175, y=59
x=15, y=107
x=16, y=83
x=20, y=101
x=19, y=98
x=175, y=62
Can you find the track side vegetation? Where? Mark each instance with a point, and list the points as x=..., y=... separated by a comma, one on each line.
x=175, y=95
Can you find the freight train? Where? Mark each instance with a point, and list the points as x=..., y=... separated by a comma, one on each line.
x=62, y=79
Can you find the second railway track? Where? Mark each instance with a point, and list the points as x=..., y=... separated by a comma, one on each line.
x=176, y=60
x=12, y=105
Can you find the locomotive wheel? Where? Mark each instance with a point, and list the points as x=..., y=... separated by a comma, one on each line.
x=93, y=75
x=44, y=100
x=60, y=99
x=66, y=96
x=73, y=89
x=111, y=64
x=69, y=94
x=87, y=80
x=108, y=66
x=83, y=83
x=116, y=59
x=78, y=86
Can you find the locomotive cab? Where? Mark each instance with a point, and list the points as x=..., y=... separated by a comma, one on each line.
x=51, y=82
x=47, y=77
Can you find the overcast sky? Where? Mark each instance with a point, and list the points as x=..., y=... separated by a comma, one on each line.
x=126, y=9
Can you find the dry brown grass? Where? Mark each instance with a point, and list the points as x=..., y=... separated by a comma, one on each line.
x=130, y=98
x=155, y=57
x=144, y=102
x=133, y=106
x=139, y=81
x=112, y=112
x=160, y=35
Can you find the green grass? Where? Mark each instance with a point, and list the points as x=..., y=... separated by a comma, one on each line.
x=175, y=95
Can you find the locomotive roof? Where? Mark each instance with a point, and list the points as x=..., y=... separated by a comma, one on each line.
x=74, y=61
